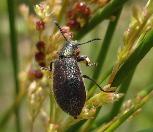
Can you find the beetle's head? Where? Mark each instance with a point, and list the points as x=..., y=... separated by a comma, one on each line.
x=70, y=49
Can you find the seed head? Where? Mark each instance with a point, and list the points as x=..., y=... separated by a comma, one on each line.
x=35, y=74
x=40, y=25
x=39, y=56
x=40, y=46
x=78, y=16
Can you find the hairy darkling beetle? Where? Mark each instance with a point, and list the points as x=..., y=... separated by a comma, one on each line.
x=68, y=86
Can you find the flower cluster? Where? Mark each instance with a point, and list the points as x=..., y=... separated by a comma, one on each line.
x=78, y=16
x=34, y=74
x=40, y=54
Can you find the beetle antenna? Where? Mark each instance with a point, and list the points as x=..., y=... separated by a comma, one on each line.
x=89, y=41
x=58, y=26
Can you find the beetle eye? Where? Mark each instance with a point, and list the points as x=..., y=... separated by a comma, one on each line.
x=61, y=56
x=77, y=51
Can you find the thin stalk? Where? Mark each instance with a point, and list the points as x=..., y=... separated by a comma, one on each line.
x=102, y=55
x=129, y=44
x=144, y=96
x=14, y=54
x=51, y=107
x=86, y=126
x=6, y=116
x=101, y=14
x=105, y=45
x=75, y=127
x=1, y=46
x=63, y=8
x=145, y=44
x=117, y=105
x=123, y=89
x=61, y=15
x=130, y=64
x=54, y=112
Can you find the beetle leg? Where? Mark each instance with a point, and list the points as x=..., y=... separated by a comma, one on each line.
x=86, y=60
x=51, y=66
x=87, y=77
x=45, y=68
x=48, y=68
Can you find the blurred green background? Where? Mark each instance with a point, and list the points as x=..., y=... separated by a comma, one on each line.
x=142, y=77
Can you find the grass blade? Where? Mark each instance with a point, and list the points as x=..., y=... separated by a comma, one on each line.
x=145, y=95
x=117, y=105
x=145, y=45
x=14, y=55
x=105, y=45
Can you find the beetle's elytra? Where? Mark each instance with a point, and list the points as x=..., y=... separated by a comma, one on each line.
x=68, y=86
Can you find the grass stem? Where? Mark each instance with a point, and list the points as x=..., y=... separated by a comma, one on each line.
x=105, y=45
x=143, y=95
x=14, y=54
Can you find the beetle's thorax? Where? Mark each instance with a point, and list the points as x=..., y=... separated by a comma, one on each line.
x=68, y=50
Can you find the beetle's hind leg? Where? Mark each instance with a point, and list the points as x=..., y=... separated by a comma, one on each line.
x=87, y=77
x=86, y=60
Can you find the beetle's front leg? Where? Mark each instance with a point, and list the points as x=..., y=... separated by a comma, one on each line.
x=85, y=59
x=48, y=68
x=51, y=66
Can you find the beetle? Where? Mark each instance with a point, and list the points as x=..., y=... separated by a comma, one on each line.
x=68, y=86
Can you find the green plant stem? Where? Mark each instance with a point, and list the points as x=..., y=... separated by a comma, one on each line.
x=14, y=54
x=52, y=108
x=61, y=15
x=105, y=45
x=145, y=44
x=128, y=67
x=63, y=8
x=144, y=95
x=117, y=105
x=101, y=14
x=6, y=116
x=75, y=127
x=86, y=126
x=54, y=111
x=123, y=89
